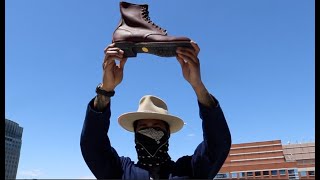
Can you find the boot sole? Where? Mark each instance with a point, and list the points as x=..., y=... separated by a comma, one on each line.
x=162, y=49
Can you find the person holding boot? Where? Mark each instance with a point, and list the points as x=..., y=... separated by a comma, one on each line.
x=152, y=126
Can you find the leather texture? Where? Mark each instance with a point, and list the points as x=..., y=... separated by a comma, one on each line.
x=135, y=26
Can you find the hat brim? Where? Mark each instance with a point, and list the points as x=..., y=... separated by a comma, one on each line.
x=126, y=120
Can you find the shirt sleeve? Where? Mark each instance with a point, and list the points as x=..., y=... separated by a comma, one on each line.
x=211, y=153
x=101, y=158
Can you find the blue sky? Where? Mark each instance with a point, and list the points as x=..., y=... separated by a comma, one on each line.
x=257, y=58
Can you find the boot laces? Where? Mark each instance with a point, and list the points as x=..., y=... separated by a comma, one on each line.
x=145, y=15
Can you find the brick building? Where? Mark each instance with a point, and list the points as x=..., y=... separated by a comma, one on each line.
x=269, y=160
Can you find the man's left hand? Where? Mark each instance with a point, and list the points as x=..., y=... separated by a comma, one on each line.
x=188, y=59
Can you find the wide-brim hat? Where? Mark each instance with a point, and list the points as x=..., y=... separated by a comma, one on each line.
x=151, y=107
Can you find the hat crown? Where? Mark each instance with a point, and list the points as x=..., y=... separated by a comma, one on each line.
x=152, y=104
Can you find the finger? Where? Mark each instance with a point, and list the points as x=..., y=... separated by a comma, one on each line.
x=109, y=46
x=123, y=62
x=109, y=58
x=112, y=49
x=195, y=46
x=187, y=59
x=109, y=61
x=187, y=51
x=188, y=54
x=180, y=60
x=115, y=49
x=112, y=55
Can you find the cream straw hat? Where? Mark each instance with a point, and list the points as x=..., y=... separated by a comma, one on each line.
x=150, y=107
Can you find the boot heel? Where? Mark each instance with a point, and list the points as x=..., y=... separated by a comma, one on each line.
x=128, y=48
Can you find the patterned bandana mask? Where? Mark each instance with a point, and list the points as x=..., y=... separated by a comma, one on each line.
x=152, y=147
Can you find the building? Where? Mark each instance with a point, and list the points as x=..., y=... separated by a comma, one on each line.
x=304, y=155
x=269, y=160
x=13, y=140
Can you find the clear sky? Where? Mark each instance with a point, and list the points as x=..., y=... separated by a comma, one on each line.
x=257, y=58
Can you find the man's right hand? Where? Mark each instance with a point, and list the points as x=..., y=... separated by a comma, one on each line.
x=112, y=72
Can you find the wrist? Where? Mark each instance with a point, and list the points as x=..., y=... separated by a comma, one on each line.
x=101, y=102
x=106, y=88
x=103, y=98
x=200, y=87
x=203, y=95
x=104, y=91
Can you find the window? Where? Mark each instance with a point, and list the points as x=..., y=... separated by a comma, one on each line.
x=222, y=176
x=233, y=175
x=257, y=173
x=274, y=172
x=249, y=174
x=242, y=174
x=303, y=173
x=282, y=172
x=291, y=171
x=265, y=173
x=311, y=173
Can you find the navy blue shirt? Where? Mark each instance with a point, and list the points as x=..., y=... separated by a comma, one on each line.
x=105, y=163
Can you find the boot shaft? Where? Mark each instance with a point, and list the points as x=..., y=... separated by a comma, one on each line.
x=132, y=14
x=135, y=23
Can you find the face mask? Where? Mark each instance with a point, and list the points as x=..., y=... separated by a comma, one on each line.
x=152, y=146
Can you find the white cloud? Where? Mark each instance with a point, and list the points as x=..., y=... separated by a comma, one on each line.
x=30, y=173
x=191, y=135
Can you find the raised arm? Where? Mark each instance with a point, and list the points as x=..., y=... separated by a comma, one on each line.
x=211, y=153
x=101, y=158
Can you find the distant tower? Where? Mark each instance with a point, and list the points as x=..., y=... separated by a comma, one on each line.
x=13, y=135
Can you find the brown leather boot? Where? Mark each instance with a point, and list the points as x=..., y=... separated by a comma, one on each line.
x=136, y=33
